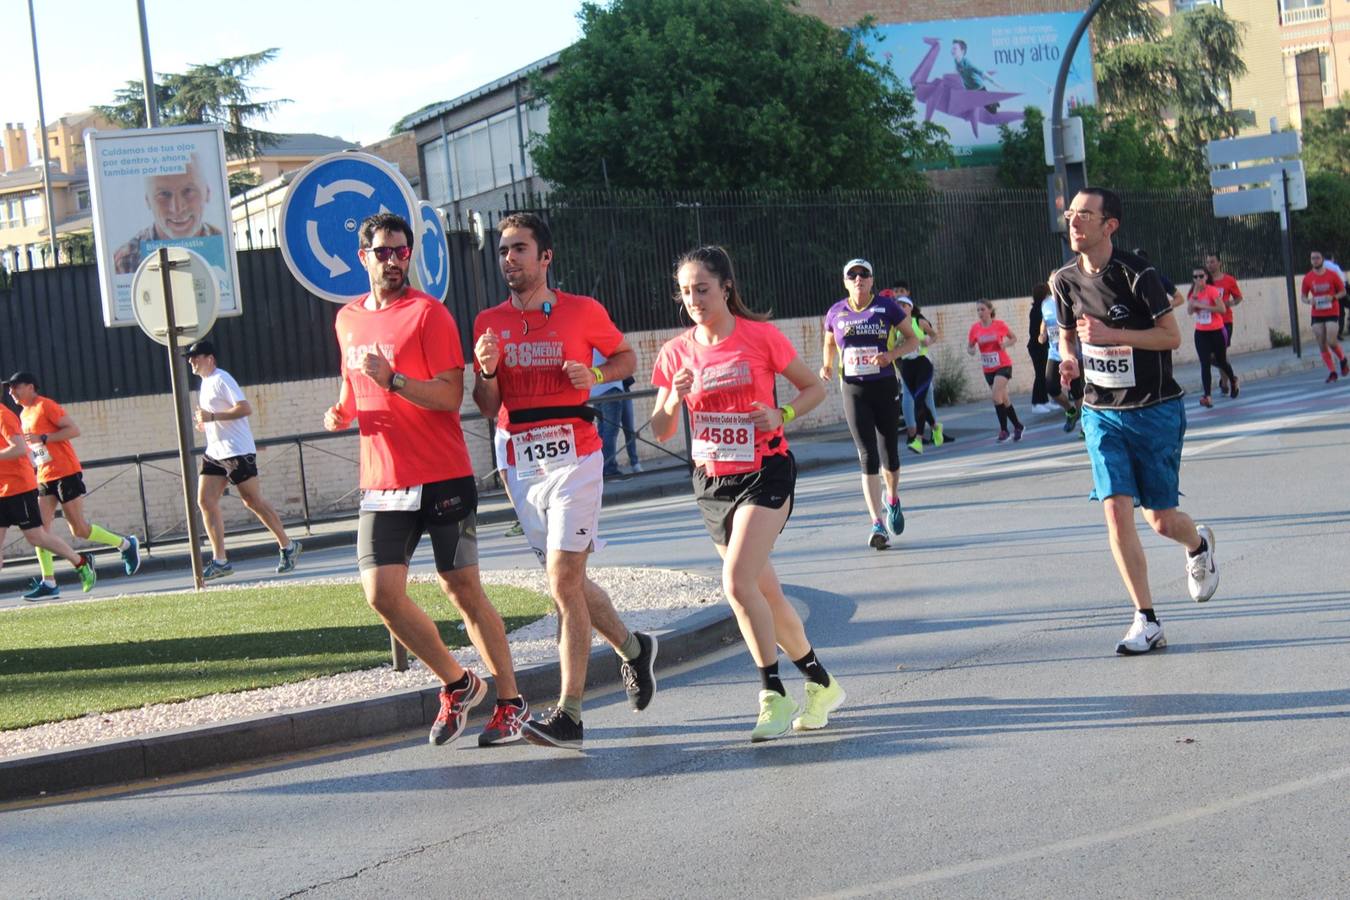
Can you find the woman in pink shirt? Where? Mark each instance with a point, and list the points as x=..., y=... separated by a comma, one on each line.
x=1205, y=303
x=992, y=337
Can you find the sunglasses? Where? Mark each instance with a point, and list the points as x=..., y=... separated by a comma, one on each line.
x=857, y=276
x=403, y=253
x=1197, y=277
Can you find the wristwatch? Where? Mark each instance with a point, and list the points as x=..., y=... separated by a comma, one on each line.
x=397, y=382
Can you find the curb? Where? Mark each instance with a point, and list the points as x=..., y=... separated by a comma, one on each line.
x=255, y=737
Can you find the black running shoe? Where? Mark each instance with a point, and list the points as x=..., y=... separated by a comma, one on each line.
x=639, y=678
x=558, y=730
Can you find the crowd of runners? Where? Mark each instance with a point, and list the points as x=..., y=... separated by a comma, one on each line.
x=1101, y=334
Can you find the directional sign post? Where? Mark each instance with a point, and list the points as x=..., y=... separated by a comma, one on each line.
x=321, y=219
x=431, y=261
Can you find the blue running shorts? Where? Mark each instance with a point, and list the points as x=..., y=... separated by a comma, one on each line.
x=1137, y=452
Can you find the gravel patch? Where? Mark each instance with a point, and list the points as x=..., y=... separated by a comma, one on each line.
x=649, y=599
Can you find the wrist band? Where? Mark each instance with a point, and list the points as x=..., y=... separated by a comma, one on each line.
x=486, y=376
x=599, y=376
x=788, y=412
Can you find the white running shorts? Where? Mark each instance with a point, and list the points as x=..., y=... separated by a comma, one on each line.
x=561, y=510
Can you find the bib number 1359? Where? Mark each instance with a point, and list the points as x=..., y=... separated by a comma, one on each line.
x=541, y=449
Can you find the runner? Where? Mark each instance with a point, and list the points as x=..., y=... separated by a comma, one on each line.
x=403, y=380
x=723, y=369
x=49, y=429
x=860, y=326
x=1205, y=302
x=230, y=458
x=1232, y=296
x=1324, y=291
x=917, y=376
x=1134, y=420
x=19, y=505
x=532, y=355
x=1071, y=401
x=993, y=336
x=1039, y=352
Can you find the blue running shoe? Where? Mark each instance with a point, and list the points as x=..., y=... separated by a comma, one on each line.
x=877, y=540
x=131, y=557
x=895, y=517
x=42, y=591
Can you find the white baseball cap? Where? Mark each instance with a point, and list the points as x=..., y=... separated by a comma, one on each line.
x=857, y=264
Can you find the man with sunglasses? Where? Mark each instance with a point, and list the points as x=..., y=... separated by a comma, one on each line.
x=533, y=355
x=1134, y=421
x=403, y=381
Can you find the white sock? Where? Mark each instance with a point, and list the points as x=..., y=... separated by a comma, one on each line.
x=125, y=545
x=49, y=582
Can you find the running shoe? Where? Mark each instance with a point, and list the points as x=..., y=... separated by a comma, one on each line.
x=516, y=529
x=938, y=436
x=877, y=539
x=455, y=706
x=1017, y=433
x=505, y=725
x=1233, y=390
x=639, y=675
x=42, y=591
x=288, y=557
x=88, y=577
x=895, y=517
x=635, y=468
x=1345, y=366
x=1202, y=573
x=1002, y=435
x=131, y=557
x=1070, y=420
x=775, y=716
x=1042, y=408
x=916, y=445
x=558, y=730
x=216, y=569
x=1142, y=637
x=1332, y=378
x=1206, y=402
x=820, y=702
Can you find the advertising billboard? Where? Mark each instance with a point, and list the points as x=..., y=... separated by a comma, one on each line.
x=972, y=75
x=153, y=188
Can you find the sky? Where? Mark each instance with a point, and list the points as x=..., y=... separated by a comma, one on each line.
x=438, y=49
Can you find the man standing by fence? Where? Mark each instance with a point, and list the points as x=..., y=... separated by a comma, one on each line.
x=231, y=457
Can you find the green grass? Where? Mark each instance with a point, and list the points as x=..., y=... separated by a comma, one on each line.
x=62, y=661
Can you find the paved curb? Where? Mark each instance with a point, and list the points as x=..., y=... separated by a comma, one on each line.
x=191, y=749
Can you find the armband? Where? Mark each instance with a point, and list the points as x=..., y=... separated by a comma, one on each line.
x=485, y=375
x=599, y=376
x=788, y=412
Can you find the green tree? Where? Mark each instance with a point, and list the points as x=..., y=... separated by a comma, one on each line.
x=207, y=93
x=725, y=95
x=1121, y=151
x=1326, y=140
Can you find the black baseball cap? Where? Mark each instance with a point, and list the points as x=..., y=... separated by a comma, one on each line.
x=200, y=348
x=19, y=377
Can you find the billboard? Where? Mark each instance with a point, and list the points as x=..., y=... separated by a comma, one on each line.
x=972, y=75
x=160, y=187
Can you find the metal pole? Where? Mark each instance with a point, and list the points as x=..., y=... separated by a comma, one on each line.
x=1287, y=246
x=1057, y=104
x=151, y=101
x=304, y=487
x=178, y=377
x=145, y=511
x=42, y=142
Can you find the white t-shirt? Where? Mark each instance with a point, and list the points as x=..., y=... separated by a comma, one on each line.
x=220, y=392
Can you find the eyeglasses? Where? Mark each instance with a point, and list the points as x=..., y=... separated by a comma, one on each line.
x=1071, y=214
x=403, y=253
x=1197, y=277
x=857, y=276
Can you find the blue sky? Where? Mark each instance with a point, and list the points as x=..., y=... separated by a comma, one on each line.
x=438, y=49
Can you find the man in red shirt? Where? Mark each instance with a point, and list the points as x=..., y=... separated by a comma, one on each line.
x=1324, y=291
x=403, y=381
x=19, y=502
x=533, y=355
x=1232, y=295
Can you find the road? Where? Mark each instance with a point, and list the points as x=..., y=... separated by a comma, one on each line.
x=992, y=744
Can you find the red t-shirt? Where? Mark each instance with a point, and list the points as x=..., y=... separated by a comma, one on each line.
x=990, y=340
x=1228, y=284
x=1324, y=288
x=402, y=444
x=728, y=377
x=1208, y=319
x=16, y=475
x=57, y=459
x=534, y=348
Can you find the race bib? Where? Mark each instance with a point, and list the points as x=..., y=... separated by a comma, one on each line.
x=861, y=361
x=1052, y=335
x=541, y=450
x=41, y=455
x=723, y=437
x=407, y=499
x=1322, y=302
x=1203, y=317
x=990, y=360
x=1109, y=367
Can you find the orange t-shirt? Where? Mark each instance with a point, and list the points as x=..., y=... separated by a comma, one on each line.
x=1324, y=287
x=1228, y=284
x=534, y=348
x=16, y=475
x=57, y=459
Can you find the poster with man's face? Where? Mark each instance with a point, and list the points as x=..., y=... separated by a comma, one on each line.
x=162, y=187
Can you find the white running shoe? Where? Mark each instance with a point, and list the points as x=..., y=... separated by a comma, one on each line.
x=1202, y=573
x=1142, y=637
x=1043, y=408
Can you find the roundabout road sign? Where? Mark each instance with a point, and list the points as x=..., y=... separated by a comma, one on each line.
x=431, y=266
x=322, y=214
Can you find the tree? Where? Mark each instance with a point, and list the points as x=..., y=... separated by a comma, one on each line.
x=207, y=93
x=1326, y=140
x=1122, y=153
x=724, y=95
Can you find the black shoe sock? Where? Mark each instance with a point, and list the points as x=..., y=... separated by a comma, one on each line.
x=1012, y=416
x=463, y=682
x=1204, y=545
x=768, y=676
x=1002, y=417
x=809, y=666
x=513, y=702
x=1150, y=615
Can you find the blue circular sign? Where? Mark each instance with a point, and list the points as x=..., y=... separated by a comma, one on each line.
x=431, y=262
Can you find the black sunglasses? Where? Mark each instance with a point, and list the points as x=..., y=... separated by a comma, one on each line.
x=403, y=253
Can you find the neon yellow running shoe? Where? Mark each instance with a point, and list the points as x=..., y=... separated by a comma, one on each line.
x=820, y=702
x=88, y=577
x=937, y=435
x=775, y=716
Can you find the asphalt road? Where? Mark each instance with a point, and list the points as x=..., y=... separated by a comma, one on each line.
x=992, y=743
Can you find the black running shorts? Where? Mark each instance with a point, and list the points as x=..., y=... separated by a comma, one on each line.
x=64, y=489
x=21, y=511
x=448, y=515
x=719, y=497
x=989, y=377
x=237, y=469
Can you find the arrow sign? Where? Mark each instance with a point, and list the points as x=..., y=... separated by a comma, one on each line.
x=321, y=218
x=431, y=262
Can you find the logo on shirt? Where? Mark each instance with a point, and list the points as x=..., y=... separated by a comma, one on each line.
x=534, y=354
x=357, y=352
x=1118, y=312
x=728, y=375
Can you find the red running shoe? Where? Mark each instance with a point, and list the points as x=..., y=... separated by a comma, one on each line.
x=455, y=706
x=1206, y=402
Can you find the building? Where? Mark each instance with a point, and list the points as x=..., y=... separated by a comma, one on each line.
x=288, y=153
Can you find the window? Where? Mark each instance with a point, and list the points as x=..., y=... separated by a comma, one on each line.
x=484, y=156
x=82, y=198
x=32, y=210
x=1189, y=5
